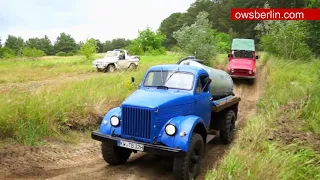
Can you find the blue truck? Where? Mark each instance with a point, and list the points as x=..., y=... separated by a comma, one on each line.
x=176, y=110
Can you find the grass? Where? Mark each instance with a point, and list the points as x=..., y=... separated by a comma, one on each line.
x=23, y=70
x=260, y=150
x=29, y=117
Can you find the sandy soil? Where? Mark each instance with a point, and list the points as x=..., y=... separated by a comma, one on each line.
x=84, y=161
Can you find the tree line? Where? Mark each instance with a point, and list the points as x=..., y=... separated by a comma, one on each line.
x=206, y=28
x=65, y=45
x=219, y=18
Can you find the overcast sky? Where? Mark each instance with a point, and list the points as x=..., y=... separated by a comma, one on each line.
x=101, y=19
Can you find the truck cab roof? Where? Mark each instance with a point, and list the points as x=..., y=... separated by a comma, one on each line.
x=170, y=67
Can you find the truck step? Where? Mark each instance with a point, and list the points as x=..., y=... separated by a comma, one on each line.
x=210, y=137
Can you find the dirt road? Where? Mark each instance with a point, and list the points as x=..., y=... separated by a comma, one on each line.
x=84, y=161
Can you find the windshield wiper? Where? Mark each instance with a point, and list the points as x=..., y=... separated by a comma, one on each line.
x=173, y=72
x=162, y=87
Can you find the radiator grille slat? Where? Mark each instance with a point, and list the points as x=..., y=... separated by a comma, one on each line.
x=136, y=122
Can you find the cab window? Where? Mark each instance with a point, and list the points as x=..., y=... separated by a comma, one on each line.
x=199, y=86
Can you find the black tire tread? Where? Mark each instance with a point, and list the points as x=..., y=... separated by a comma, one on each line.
x=225, y=134
x=180, y=164
x=108, y=67
x=114, y=155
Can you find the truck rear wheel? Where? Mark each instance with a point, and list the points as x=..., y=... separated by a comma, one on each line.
x=227, y=135
x=132, y=67
x=188, y=165
x=113, y=154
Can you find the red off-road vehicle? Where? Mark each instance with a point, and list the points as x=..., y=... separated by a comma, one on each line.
x=242, y=59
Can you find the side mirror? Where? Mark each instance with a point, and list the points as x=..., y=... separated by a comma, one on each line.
x=208, y=80
x=228, y=55
x=257, y=57
x=132, y=79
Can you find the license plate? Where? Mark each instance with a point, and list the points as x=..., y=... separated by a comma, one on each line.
x=131, y=145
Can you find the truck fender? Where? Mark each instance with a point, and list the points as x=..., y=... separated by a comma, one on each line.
x=183, y=124
x=106, y=127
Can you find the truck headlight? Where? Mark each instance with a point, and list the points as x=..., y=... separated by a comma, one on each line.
x=232, y=70
x=114, y=121
x=250, y=72
x=170, y=129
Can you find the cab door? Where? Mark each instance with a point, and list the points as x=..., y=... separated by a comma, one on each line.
x=202, y=102
x=123, y=63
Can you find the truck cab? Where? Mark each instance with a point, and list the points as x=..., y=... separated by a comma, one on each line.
x=171, y=114
x=242, y=59
x=118, y=59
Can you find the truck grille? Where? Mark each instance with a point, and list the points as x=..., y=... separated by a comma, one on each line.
x=136, y=122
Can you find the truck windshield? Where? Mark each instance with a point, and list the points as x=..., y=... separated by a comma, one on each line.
x=111, y=54
x=242, y=54
x=179, y=80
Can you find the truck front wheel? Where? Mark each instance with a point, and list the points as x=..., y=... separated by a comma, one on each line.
x=111, y=68
x=188, y=165
x=113, y=154
x=227, y=135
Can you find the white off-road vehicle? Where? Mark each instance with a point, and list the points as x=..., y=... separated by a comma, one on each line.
x=116, y=59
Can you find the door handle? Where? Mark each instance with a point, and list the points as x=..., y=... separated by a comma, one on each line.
x=195, y=100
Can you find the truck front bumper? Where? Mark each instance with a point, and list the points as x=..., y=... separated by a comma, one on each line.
x=99, y=66
x=149, y=148
x=243, y=77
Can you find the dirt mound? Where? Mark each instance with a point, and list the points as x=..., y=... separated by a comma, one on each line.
x=21, y=161
x=84, y=161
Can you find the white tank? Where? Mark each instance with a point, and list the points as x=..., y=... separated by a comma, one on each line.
x=221, y=84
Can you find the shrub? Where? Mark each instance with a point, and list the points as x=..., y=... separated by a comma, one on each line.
x=32, y=53
x=89, y=48
x=287, y=39
x=135, y=48
x=71, y=53
x=61, y=54
x=155, y=52
x=223, y=42
x=198, y=38
x=148, y=42
x=8, y=53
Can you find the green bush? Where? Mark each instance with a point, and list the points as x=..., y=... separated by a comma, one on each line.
x=198, y=38
x=32, y=52
x=135, y=48
x=61, y=53
x=8, y=53
x=71, y=53
x=223, y=42
x=155, y=52
x=89, y=48
x=1, y=52
x=287, y=39
x=148, y=42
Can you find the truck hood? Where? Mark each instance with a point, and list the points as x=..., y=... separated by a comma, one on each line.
x=242, y=64
x=156, y=98
x=107, y=59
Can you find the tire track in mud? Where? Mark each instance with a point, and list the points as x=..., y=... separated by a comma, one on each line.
x=84, y=160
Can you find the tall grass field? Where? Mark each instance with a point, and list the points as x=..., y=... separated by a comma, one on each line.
x=29, y=116
x=282, y=140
